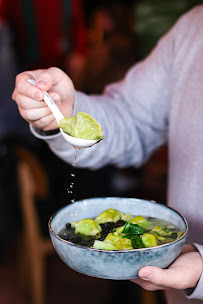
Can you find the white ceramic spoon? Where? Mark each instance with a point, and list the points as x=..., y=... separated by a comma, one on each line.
x=74, y=141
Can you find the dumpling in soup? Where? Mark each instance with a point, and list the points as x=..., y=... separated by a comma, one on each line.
x=109, y=215
x=87, y=227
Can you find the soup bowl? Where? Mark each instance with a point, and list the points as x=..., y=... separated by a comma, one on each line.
x=110, y=264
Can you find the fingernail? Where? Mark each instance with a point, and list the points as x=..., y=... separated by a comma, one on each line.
x=43, y=82
x=146, y=275
x=36, y=95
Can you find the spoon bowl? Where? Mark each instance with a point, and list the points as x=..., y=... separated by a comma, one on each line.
x=74, y=141
x=78, y=142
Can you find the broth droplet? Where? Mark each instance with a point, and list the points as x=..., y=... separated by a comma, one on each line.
x=75, y=159
x=73, y=175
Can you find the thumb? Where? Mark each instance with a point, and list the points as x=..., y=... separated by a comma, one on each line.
x=48, y=78
x=170, y=278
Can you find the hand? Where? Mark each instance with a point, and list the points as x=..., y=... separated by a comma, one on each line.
x=29, y=98
x=183, y=273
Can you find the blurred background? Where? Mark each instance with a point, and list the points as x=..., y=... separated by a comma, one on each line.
x=95, y=42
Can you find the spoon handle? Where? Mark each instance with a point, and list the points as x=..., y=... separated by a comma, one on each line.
x=53, y=107
x=50, y=103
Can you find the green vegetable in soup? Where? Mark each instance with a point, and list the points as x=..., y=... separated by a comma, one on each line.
x=162, y=231
x=119, y=230
x=148, y=225
x=103, y=245
x=149, y=240
x=133, y=229
x=127, y=217
x=87, y=227
x=157, y=236
x=136, y=241
x=118, y=241
x=166, y=229
x=82, y=125
x=138, y=219
x=179, y=234
x=110, y=215
x=161, y=239
x=133, y=232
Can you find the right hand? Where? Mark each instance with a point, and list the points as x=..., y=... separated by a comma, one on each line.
x=29, y=98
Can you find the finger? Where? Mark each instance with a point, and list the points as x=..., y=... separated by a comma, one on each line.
x=26, y=102
x=46, y=123
x=48, y=78
x=32, y=115
x=25, y=88
x=14, y=94
x=171, y=278
x=51, y=126
x=147, y=285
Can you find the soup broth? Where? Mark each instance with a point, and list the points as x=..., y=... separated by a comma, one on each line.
x=114, y=230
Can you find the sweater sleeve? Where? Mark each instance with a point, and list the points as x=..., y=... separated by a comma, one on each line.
x=133, y=114
x=197, y=293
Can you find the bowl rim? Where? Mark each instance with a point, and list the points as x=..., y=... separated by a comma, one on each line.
x=117, y=251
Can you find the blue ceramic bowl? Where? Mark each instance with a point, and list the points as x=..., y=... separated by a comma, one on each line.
x=116, y=265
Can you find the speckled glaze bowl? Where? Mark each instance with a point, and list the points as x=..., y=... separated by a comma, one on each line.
x=116, y=265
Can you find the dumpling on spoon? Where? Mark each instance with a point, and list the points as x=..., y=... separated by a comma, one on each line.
x=82, y=126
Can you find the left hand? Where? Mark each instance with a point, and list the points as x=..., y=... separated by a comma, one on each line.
x=183, y=273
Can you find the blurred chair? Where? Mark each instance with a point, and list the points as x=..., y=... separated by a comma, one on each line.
x=34, y=247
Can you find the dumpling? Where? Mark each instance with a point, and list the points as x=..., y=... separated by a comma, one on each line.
x=87, y=227
x=109, y=215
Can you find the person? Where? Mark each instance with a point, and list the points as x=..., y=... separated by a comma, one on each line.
x=158, y=101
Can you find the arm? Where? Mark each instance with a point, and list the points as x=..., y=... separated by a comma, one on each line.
x=133, y=114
